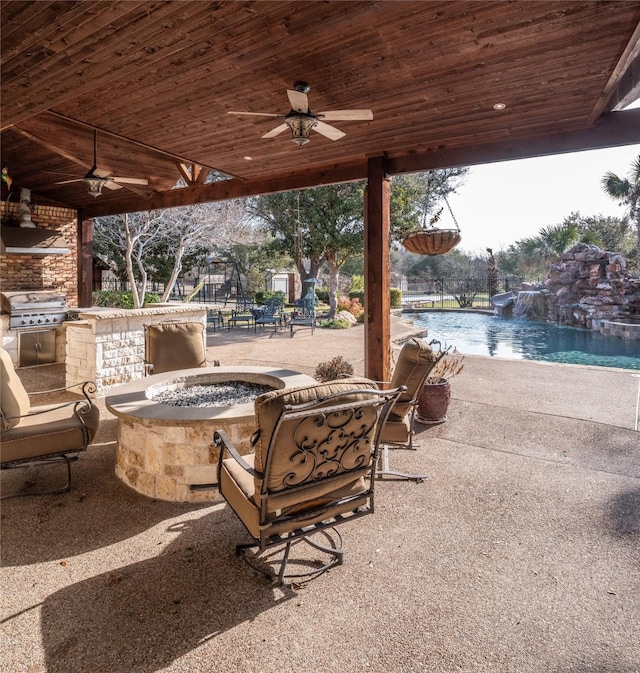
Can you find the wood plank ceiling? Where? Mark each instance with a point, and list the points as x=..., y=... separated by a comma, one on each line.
x=157, y=80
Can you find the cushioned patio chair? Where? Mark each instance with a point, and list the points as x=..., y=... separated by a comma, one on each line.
x=50, y=435
x=415, y=361
x=304, y=315
x=170, y=346
x=313, y=466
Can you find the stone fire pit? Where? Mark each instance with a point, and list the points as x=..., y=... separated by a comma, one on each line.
x=165, y=447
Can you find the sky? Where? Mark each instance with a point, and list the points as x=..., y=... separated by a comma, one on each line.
x=501, y=203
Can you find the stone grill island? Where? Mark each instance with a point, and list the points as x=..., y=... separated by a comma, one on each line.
x=165, y=450
x=106, y=345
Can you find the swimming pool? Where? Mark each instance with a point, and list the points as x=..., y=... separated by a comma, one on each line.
x=516, y=339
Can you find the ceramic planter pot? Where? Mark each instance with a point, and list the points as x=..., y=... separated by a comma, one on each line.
x=433, y=402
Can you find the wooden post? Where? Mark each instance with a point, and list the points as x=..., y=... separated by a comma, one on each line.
x=85, y=260
x=377, y=273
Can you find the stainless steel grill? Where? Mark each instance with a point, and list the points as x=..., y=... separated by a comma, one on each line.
x=32, y=310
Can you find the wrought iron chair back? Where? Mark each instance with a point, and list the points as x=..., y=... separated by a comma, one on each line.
x=313, y=466
x=271, y=313
x=304, y=315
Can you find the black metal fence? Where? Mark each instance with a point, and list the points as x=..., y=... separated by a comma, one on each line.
x=455, y=292
x=445, y=292
x=202, y=293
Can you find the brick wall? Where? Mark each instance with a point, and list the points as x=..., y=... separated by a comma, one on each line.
x=49, y=272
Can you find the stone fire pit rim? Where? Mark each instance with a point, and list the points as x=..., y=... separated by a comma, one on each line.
x=130, y=399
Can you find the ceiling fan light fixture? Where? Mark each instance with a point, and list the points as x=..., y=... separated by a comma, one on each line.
x=94, y=185
x=300, y=126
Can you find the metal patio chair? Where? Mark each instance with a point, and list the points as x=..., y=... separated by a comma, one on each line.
x=415, y=361
x=50, y=435
x=244, y=313
x=215, y=319
x=271, y=314
x=304, y=315
x=313, y=466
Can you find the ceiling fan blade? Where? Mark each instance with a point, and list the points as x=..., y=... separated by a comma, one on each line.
x=109, y=184
x=327, y=131
x=346, y=115
x=276, y=131
x=299, y=101
x=66, y=182
x=130, y=181
x=59, y=173
x=100, y=172
x=255, y=114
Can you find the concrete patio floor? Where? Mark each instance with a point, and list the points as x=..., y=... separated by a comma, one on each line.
x=520, y=553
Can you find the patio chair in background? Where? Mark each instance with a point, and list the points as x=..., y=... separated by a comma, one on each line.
x=313, y=466
x=304, y=315
x=215, y=319
x=52, y=435
x=415, y=361
x=170, y=346
x=271, y=313
x=244, y=313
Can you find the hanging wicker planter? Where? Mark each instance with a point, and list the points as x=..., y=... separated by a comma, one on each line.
x=432, y=241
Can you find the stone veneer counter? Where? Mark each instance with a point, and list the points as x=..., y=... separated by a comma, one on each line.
x=107, y=345
x=164, y=449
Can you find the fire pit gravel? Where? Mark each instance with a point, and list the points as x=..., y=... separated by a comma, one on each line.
x=214, y=395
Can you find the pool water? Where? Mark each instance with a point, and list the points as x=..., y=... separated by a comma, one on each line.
x=517, y=339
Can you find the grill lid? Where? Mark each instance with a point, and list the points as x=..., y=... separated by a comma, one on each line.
x=28, y=301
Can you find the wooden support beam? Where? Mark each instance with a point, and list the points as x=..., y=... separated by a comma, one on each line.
x=613, y=129
x=377, y=272
x=229, y=189
x=85, y=260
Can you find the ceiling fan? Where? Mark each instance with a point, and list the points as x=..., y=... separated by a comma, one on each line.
x=96, y=179
x=300, y=120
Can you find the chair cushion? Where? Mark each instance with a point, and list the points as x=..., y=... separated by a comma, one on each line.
x=55, y=431
x=269, y=407
x=396, y=431
x=414, y=363
x=173, y=346
x=238, y=488
x=14, y=400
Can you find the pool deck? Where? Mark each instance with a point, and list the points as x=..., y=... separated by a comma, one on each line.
x=520, y=553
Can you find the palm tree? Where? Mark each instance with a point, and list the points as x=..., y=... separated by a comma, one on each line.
x=627, y=191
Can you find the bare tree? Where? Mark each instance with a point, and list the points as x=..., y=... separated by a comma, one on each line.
x=127, y=240
x=201, y=226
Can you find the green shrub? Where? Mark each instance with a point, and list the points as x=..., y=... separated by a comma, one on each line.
x=323, y=295
x=357, y=284
x=335, y=323
x=117, y=299
x=396, y=297
x=332, y=369
x=261, y=296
